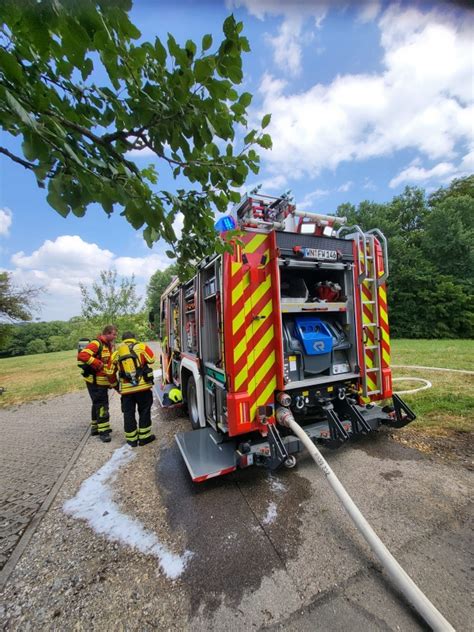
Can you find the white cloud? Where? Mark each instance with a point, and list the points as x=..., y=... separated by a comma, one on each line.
x=289, y=40
x=287, y=45
x=422, y=100
x=369, y=11
x=310, y=198
x=268, y=185
x=146, y=152
x=442, y=172
x=292, y=35
x=5, y=221
x=178, y=225
x=60, y=265
x=347, y=186
x=65, y=254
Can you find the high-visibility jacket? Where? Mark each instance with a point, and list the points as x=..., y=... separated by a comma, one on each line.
x=139, y=375
x=100, y=362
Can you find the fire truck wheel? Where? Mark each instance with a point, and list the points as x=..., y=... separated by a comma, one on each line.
x=290, y=462
x=193, y=410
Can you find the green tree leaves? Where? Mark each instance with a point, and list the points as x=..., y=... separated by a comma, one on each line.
x=159, y=281
x=17, y=304
x=107, y=300
x=431, y=252
x=80, y=134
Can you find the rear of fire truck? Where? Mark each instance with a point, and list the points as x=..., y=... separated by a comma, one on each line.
x=293, y=317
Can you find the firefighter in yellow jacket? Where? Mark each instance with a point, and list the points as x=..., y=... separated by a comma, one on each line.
x=95, y=360
x=132, y=361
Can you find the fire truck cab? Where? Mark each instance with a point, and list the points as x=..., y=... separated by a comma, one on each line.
x=294, y=315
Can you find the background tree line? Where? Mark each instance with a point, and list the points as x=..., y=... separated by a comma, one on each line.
x=106, y=301
x=431, y=257
x=431, y=283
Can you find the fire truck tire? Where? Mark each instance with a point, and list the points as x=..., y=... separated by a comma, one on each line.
x=192, y=404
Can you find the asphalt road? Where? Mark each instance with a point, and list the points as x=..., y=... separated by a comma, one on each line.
x=269, y=551
x=279, y=551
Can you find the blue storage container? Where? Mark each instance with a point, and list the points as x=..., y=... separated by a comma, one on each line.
x=314, y=335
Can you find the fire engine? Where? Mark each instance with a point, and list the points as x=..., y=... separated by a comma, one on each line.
x=292, y=315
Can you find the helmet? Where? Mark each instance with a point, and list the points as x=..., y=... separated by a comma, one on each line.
x=175, y=395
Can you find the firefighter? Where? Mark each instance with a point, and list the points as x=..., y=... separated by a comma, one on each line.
x=95, y=360
x=132, y=362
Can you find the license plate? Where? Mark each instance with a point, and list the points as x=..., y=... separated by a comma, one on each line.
x=317, y=253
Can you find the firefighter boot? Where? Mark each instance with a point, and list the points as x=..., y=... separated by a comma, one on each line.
x=104, y=437
x=146, y=440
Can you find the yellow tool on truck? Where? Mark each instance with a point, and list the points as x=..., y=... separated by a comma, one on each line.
x=293, y=317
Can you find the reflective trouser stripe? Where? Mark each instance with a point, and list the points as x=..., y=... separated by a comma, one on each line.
x=103, y=423
x=144, y=433
x=94, y=424
x=103, y=414
x=131, y=436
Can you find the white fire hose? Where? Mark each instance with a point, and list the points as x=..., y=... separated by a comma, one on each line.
x=399, y=577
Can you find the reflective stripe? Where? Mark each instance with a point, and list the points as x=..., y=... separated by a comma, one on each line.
x=131, y=436
x=143, y=433
x=101, y=380
x=126, y=388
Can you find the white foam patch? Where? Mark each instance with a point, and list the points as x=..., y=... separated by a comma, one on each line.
x=276, y=485
x=271, y=514
x=94, y=503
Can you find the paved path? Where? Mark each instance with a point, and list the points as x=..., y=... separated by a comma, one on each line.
x=35, y=448
x=39, y=441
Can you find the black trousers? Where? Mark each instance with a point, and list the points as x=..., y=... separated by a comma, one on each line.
x=100, y=406
x=142, y=401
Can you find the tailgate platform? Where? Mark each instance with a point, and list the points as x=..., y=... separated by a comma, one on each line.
x=204, y=456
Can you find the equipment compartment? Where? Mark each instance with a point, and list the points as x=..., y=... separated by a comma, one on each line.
x=318, y=325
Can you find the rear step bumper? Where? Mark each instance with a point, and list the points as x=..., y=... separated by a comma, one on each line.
x=207, y=455
x=204, y=456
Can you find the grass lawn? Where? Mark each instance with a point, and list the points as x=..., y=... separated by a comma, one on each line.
x=447, y=406
x=449, y=354
x=32, y=377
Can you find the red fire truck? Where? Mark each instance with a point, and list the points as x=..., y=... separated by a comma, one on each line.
x=295, y=316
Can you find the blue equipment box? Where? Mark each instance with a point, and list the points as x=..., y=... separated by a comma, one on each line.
x=314, y=335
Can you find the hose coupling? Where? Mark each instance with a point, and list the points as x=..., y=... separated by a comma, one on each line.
x=284, y=416
x=283, y=398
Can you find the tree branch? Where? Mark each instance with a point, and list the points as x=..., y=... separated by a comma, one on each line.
x=24, y=163
x=94, y=138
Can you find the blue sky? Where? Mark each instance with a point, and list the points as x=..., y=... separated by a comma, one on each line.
x=366, y=98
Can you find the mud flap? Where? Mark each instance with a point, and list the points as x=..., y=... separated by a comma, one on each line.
x=337, y=433
x=278, y=452
x=359, y=425
x=403, y=413
x=204, y=456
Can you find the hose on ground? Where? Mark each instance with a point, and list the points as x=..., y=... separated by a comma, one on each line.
x=399, y=577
